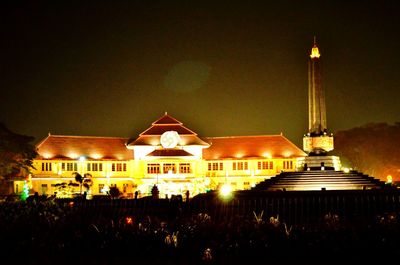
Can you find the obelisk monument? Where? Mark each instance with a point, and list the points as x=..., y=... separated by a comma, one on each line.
x=317, y=142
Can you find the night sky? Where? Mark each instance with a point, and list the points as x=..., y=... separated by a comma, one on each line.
x=220, y=67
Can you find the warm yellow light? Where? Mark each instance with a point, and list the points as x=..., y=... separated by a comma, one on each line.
x=73, y=155
x=207, y=181
x=226, y=190
x=315, y=52
x=267, y=155
x=346, y=170
x=47, y=155
x=389, y=179
x=96, y=156
x=287, y=154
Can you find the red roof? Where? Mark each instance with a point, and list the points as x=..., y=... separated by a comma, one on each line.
x=158, y=130
x=237, y=147
x=166, y=119
x=90, y=147
x=169, y=152
x=152, y=135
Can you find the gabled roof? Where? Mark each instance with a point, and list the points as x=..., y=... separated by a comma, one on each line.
x=236, y=147
x=152, y=135
x=90, y=147
x=169, y=152
x=166, y=119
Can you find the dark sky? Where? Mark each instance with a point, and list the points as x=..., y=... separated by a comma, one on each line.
x=222, y=68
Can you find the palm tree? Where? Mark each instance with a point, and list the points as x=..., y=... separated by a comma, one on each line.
x=85, y=180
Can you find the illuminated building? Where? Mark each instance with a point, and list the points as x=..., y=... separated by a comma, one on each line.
x=167, y=154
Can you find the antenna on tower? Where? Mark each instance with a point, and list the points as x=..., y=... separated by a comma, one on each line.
x=315, y=40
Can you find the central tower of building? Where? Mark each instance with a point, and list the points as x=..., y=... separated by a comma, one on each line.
x=317, y=141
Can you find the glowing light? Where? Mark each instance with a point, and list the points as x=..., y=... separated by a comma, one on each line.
x=207, y=181
x=47, y=155
x=226, y=190
x=105, y=189
x=389, y=179
x=73, y=155
x=129, y=220
x=315, y=52
x=267, y=155
x=287, y=154
x=346, y=170
x=239, y=155
x=82, y=158
x=96, y=156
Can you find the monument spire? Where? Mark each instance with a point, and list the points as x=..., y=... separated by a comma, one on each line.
x=316, y=95
x=317, y=141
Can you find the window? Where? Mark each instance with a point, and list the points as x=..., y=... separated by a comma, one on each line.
x=240, y=165
x=214, y=166
x=264, y=165
x=169, y=166
x=184, y=168
x=287, y=164
x=101, y=187
x=153, y=168
x=46, y=166
x=63, y=166
x=72, y=167
x=88, y=167
x=118, y=167
x=44, y=188
x=125, y=187
x=100, y=166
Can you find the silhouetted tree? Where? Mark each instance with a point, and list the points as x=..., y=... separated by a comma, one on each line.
x=16, y=155
x=84, y=181
x=372, y=149
x=155, y=192
x=114, y=192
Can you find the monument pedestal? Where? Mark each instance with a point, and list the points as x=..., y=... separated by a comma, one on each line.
x=319, y=163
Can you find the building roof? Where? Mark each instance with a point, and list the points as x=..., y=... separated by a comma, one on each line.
x=169, y=152
x=237, y=147
x=152, y=135
x=90, y=147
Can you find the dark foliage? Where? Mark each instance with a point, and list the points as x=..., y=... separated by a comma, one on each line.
x=372, y=149
x=16, y=153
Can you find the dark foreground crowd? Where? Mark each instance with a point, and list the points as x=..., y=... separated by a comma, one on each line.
x=50, y=232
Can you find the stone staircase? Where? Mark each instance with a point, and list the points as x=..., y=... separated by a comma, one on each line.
x=320, y=180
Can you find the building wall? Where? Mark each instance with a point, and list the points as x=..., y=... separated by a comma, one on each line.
x=136, y=175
